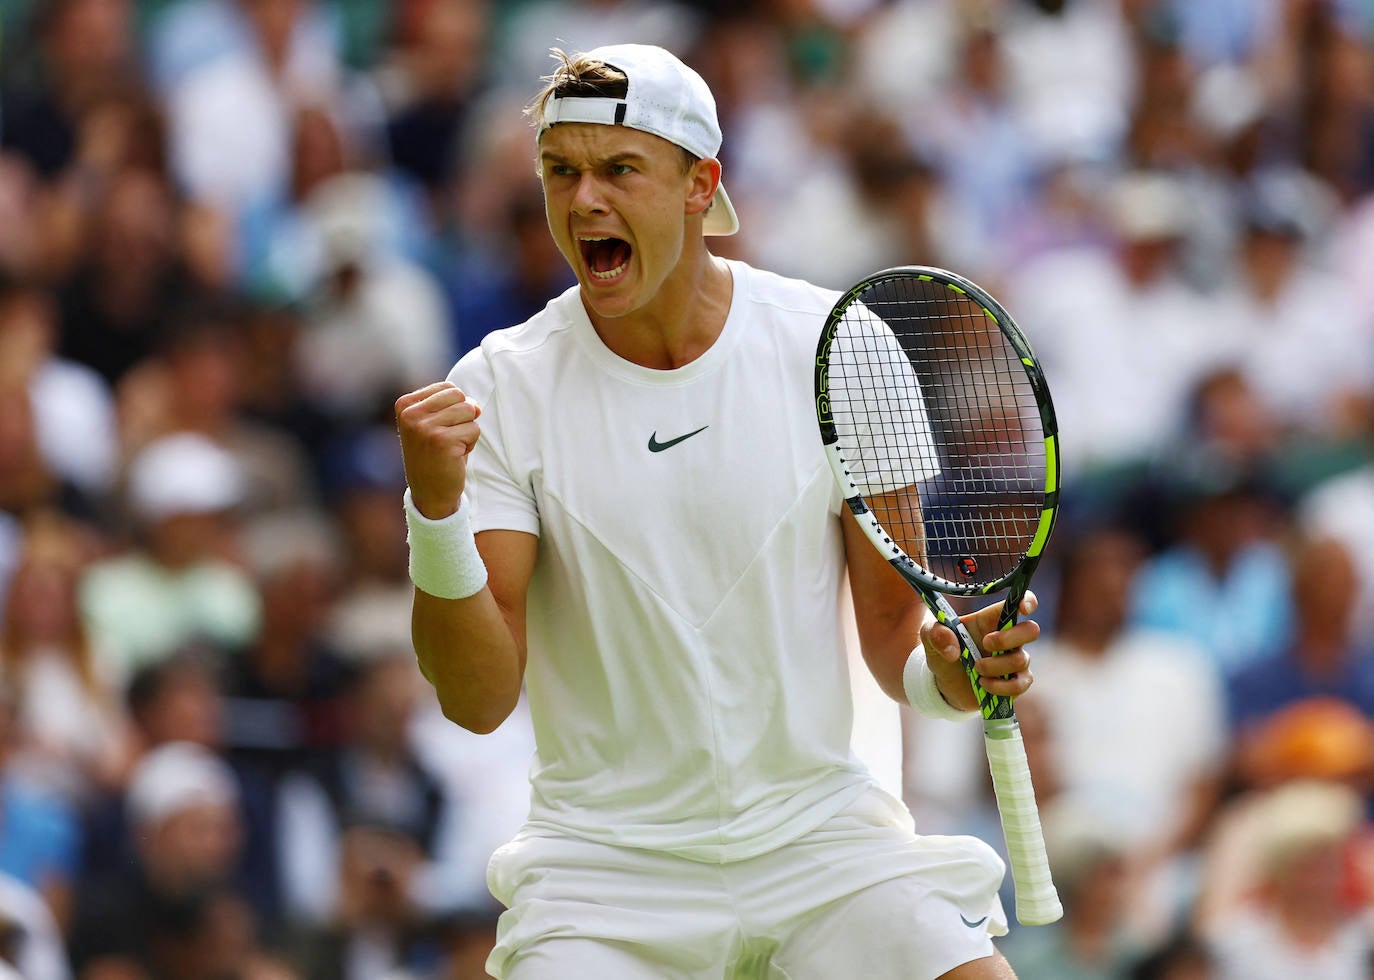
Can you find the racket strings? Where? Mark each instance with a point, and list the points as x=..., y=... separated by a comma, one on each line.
x=939, y=423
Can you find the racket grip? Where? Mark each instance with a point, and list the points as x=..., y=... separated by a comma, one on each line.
x=1037, y=901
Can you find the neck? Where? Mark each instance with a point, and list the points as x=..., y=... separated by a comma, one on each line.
x=680, y=323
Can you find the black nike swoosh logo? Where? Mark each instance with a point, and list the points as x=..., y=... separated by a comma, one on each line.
x=972, y=925
x=657, y=447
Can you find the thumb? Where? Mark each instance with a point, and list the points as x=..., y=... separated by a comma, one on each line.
x=939, y=641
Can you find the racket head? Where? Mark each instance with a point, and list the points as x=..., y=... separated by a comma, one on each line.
x=939, y=428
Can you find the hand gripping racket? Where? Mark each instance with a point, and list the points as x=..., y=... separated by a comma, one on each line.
x=939, y=429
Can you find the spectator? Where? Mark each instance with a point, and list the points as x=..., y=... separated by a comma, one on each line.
x=375, y=320
x=83, y=49
x=282, y=247
x=1118, y=400
x=271, y=393
x=1276, y=903
x=211, y=935
x=26, y=479
x=193, y=382
x=70, y=405
x=1286, y=321
x=1054, y=47
x=365, y=825
x=181, y=700
x=186, y=832
x=869, y=179
x=505, y=282
x=1091, y=867
x=1311, y=738
x=371, y=612
x=177, y=699
x=128, y=277
x=1223, y=579
x=173, y=700
x=1157, y=758
x=985, y=190
x=284, y=702
x=231, y=74
x=178, y=584
x=42, y=840
x=1323, y=657
x=72, y=733
x=23, y=248
x=425, y=83
x=1342, y=507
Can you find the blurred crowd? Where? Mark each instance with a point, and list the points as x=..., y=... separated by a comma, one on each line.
x=232, y=231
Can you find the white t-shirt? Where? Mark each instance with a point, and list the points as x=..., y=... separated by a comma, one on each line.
x=686, y=676
x=1254, y=946
x=1137, y=755
x=1121, y=360
x=1343, y=507
x=1303, y=351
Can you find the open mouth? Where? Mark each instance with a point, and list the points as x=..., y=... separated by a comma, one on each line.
x=606, y=257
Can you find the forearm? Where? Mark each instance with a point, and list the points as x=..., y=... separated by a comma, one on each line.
x=468, y=616
x=888, y=641
x=469, y=653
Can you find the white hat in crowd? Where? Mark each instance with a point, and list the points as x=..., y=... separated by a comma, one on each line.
x=183, y=473
x=175, y=777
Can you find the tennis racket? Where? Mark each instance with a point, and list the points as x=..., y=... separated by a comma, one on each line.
x=939, y=429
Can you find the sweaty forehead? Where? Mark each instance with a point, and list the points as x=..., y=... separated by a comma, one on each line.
x=591, y=142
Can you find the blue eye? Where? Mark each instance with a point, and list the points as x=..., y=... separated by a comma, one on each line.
x=621, y=169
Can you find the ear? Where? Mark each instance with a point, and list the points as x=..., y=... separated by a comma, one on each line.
x=702, y=180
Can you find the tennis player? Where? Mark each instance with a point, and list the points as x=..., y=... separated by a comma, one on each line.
x=647, y=537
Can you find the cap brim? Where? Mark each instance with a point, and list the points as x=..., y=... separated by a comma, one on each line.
x=721, y=218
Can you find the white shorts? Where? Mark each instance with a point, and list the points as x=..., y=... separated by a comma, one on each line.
x=862, y=895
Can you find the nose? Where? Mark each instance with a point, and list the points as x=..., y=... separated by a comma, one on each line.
x=587, y=197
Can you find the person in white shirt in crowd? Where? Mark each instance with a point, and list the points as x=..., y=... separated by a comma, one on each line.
x=179, y=583
x=1123, y=348
x=1289, y=322
x=1277, y=899
x=1156, y=755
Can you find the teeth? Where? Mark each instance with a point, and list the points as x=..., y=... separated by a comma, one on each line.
x=611, y=274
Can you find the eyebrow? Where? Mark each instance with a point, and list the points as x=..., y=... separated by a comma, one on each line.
x=624, y=156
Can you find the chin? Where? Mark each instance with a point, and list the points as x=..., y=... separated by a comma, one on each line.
x=611, y=302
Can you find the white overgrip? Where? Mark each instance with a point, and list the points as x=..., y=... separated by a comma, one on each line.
x=1037, y=901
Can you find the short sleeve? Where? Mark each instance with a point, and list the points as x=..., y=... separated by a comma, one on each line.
x=879, y=409
x=501, y=496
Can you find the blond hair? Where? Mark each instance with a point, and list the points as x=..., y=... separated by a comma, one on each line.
x=577, y=76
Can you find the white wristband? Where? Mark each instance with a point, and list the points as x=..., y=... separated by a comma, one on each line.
x=443, y=554
x=923, y=694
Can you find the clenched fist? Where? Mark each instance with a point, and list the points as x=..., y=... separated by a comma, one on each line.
x=438, y=427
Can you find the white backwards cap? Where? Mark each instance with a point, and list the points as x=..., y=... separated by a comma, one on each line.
x=664, y=97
